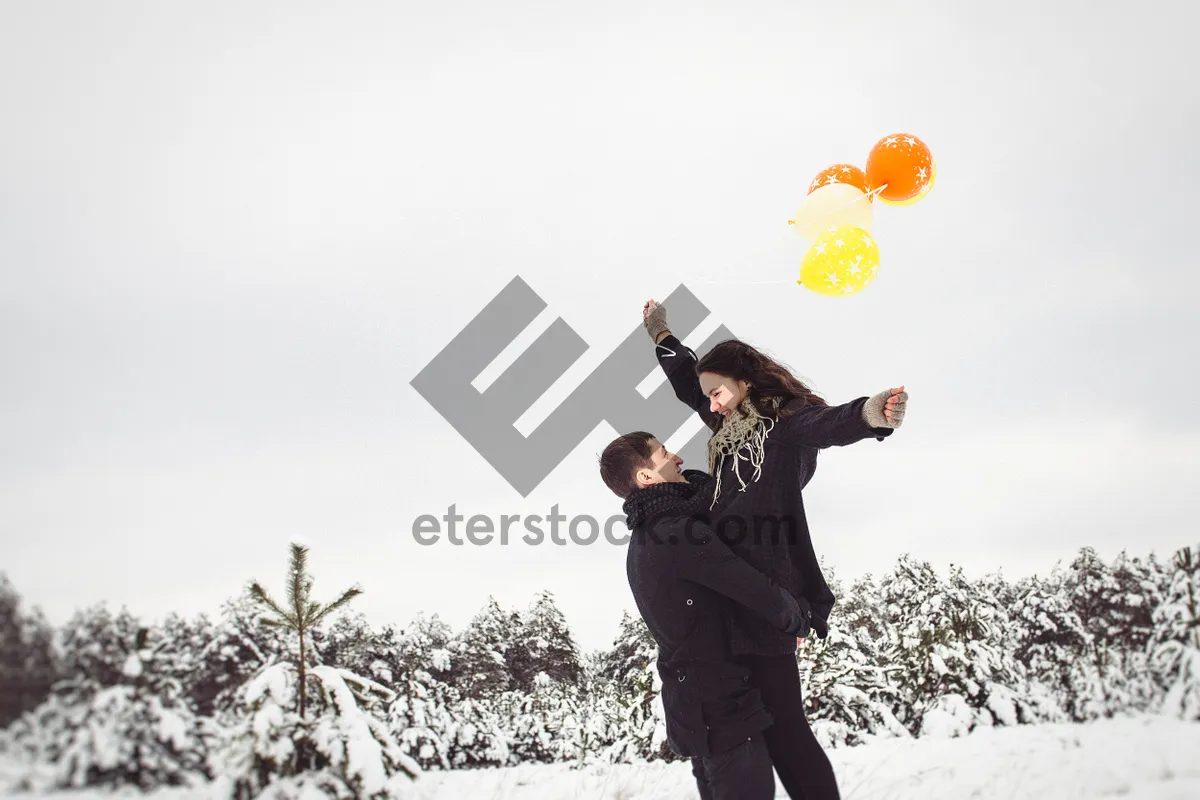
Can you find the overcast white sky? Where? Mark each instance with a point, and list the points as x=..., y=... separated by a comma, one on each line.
x=231, y=234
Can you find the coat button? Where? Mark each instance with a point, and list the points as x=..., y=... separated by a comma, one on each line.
x=689, y=601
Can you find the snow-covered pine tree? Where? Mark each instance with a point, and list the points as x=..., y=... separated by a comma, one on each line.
x=138, y=730
x=544, y=724
x=476, y=737
x=597, y=731
x=629, y=697
x=301, y=728
x=911, y=594
x=423, y=712
x=339, y=749
x=633, y=650
x=425, y=645
x=28, y=662
x=518, y=657
x=260, y=733
x=233, y=649
x=1092, y=589
x=364, y=754
x=479, y=668
x=1000, y=591
x=420, y=719
x=183, y=654
x=848, y=696
x=1137, y=594
x=420, y=715
x=541, y=714
x=436, y=724
x=302, y=615
x=544, y=646
x=957, y=672
x=95, y=644
x=1055, y=647
x=1131, y=686
x=352, y=644
x=1176, y=640
x=1003, y=695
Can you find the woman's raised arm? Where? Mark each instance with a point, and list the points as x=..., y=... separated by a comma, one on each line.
x=678, y=362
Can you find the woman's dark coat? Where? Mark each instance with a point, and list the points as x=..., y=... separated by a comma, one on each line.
x=765, y=523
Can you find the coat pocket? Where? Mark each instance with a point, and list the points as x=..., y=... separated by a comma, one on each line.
x=734, y=710
x=730, y=698
x=723, y=691
x=679, y=699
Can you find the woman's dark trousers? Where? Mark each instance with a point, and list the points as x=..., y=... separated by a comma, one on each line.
x=803, y=768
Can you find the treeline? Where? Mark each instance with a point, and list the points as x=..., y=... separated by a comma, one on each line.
x=295, y=695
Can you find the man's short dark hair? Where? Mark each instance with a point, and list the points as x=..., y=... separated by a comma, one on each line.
x=621, y=460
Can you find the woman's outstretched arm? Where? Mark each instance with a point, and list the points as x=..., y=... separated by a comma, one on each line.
x=679, y=362
x=837, y=426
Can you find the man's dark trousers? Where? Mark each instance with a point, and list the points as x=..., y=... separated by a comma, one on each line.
x=742, y=773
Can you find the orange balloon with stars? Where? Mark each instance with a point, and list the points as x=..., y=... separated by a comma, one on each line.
x=900, y=163
x=841, y=173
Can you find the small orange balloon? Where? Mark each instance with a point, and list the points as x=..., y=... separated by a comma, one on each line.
x=902, y=163
x=840, y=173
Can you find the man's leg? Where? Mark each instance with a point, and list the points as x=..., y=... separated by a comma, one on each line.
x=701, y=776
x=743, y=773
x=804, y=769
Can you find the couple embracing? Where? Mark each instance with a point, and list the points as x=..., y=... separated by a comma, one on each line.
x=721, y=564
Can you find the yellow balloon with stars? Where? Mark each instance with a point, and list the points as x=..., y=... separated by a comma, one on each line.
x=842, y=261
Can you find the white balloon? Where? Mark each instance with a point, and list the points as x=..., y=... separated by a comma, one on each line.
x=830, y=206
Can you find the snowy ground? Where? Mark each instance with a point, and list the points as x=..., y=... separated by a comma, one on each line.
x=1134, y=759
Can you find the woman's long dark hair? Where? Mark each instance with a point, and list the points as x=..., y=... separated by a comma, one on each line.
x=739, y=361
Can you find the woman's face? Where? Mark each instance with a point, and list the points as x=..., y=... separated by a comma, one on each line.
x=724, y=394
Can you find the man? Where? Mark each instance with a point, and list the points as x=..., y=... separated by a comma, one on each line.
x=683, y=576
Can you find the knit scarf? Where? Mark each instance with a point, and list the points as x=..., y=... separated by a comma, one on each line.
x=678, y=498
x=743, y=435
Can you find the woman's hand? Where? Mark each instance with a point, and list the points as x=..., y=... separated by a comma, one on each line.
x=654, y=317
x=893, y=409
x=886, y=409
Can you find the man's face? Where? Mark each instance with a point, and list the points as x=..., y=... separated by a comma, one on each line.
x=664, y=466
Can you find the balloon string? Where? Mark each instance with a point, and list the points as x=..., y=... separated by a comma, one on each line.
x=726, y=281
x=737, y=283
x=847, y=204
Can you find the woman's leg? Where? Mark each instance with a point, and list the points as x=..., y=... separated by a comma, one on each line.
x=804, y=769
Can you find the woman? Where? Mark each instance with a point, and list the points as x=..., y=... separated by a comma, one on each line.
x=767, y=428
